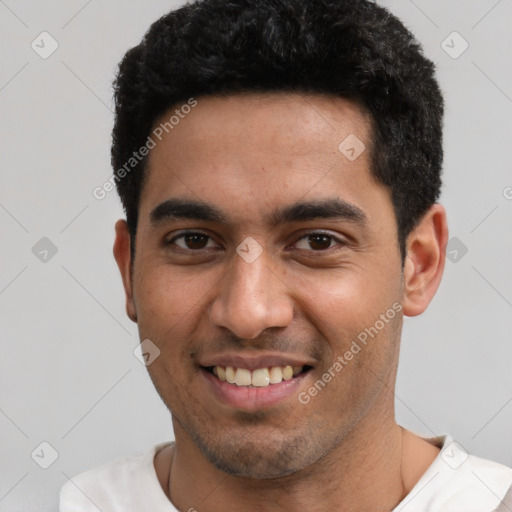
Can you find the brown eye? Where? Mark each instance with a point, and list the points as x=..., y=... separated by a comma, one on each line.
x=193, y=241
x=317, y=242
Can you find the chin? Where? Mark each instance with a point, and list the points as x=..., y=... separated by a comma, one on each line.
x=261, y=456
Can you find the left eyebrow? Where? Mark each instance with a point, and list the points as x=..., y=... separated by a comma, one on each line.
x=320, y=209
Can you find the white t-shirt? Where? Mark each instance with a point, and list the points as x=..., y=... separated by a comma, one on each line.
x=454, y=482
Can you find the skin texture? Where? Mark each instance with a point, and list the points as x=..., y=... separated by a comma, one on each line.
x=248, y=155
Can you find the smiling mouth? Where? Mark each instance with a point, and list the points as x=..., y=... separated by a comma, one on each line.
x=258, y=378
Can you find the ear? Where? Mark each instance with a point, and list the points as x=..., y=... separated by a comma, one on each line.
x=122, y=254
x=425, y=260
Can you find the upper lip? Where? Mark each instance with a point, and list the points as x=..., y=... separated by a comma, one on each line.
x=253, y=362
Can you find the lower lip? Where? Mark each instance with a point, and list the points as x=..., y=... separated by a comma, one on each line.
x=253, y=398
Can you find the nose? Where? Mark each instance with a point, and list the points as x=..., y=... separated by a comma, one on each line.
x=251, y=298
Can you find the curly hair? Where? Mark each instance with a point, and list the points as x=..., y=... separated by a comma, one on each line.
x=346, y=48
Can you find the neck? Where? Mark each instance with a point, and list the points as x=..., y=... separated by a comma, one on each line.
x=371, y=454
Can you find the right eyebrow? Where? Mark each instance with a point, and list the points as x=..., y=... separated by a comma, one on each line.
x=174, y=209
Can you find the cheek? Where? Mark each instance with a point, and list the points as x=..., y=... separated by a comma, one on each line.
x=171, y=308
x=167, y=312
x=362, y=329
x=168, y=299
x=351, y=305
x=350, y=296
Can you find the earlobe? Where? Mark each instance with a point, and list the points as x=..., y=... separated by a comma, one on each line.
x=122, y=255
x=425, y=260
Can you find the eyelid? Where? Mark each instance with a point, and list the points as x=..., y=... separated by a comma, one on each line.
x=182, y=233
x=340, y=241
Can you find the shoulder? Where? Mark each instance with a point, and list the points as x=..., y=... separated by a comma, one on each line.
x=457, y=481
x=120, y=485
x=478, y=480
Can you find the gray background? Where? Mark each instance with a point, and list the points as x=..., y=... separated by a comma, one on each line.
x=68, y=375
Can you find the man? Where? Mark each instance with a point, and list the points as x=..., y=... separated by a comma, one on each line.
x=279, y=164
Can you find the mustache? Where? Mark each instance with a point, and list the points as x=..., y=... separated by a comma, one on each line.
x=268, y=342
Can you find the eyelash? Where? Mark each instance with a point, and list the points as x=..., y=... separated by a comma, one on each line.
x=305, y=235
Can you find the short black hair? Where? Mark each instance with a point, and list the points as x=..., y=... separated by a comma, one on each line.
x=346, y=48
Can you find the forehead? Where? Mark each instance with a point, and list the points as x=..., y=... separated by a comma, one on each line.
x=261, y=148
x=287, y=118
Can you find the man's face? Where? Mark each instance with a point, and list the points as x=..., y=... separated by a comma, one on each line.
x=324, y=275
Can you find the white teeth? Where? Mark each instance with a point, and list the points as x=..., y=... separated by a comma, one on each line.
x=221, y=373
x=243, y=377
x=276, y=375
x=230, y=374
x=260, y=378
x=287, y=373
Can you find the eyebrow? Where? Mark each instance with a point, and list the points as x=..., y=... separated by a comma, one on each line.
x=175, y=209
x=336, y=209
